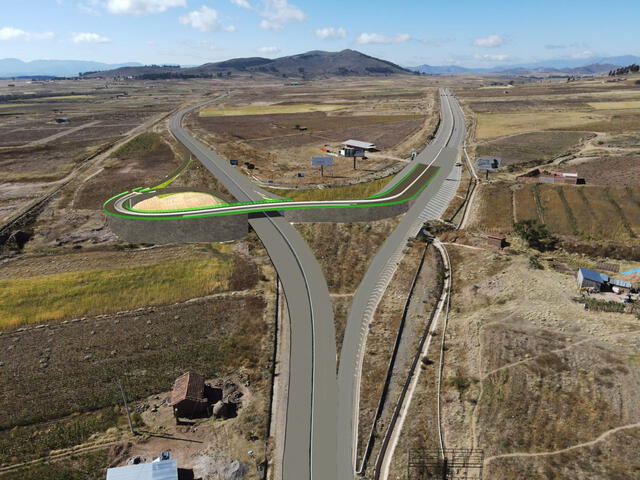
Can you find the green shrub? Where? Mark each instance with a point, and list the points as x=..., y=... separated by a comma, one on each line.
x=536, y=234
x=534, y=262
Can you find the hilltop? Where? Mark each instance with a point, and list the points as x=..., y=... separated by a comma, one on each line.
x=305, y=65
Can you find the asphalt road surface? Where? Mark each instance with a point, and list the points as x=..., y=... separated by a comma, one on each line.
x=322, y=411
x=441, y=152
x=405, y=189
x=310, y=431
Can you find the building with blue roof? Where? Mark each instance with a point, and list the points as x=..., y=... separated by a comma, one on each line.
x=591, y=279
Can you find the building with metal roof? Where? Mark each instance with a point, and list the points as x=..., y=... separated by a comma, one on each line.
x=591, y=279
x=620, y=283
x=188, y=397
x=156, y=470
x=359, y=145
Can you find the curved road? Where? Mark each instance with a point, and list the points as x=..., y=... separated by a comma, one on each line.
x=309, y=450
x=405, y=189
x=322, y=411
x=442, y=152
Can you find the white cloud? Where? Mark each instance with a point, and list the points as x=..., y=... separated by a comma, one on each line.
x=10, y=33
x=141, y=7
x=206, y=20
x=267, y=50
x=277, y=13
x=496, y=57
x=367, y=38
x=330, y=32
x=89, y=38
x=490, y=41
x=242, y=3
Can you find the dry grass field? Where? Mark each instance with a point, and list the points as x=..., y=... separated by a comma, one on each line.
x=92, y=308
x=531, y=148
x=609, y=170
x=492, y=125
x=267, y=109
x=587, y=212
x=545, y=388
x=279, y=136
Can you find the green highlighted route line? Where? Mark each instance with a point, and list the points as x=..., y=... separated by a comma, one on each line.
x=263, y=206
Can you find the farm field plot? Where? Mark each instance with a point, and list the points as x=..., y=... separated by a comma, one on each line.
x=280, y=136
x=495, y=208
x=610, y=170
x=271, y=127
x=525, y=203
x=558, y=218
x=539, y=147
x=491, y=125
x=622, y=105
x=587, y=212
x=266, y=109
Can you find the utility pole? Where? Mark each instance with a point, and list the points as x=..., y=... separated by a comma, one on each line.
x=126, y=406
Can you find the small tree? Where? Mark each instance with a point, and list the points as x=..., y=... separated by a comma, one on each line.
x=535, y=234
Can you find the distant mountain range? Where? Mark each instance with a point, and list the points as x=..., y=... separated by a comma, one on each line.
x=12, y=67
x=305, y=65
x=583, y=66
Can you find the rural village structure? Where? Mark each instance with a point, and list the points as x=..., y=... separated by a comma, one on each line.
x=188, y=397
x=544, y=176
x=162, y=468
x=599, y=281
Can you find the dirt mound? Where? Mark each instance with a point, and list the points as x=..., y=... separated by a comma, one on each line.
x=174, y=201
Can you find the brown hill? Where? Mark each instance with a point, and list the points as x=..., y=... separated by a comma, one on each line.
x=312, y=64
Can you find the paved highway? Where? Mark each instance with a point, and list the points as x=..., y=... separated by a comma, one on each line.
x=405, y=189
x=310, y=432
x=442, y=152
x=322, y=413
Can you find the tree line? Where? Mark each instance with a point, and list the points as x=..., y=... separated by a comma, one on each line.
x=633, y=68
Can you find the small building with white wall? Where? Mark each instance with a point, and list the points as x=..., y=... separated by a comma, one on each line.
x=359, y=145
x=162, y=468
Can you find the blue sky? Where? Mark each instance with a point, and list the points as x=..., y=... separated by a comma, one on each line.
x=464, y=32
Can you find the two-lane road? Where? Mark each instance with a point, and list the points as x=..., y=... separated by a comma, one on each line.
x=322, y=411
x=310, y=432
x=442, y=152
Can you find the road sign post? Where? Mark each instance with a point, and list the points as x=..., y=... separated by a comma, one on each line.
x=488, y=164
x=322, y=162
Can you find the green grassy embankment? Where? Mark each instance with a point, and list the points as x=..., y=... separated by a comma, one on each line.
x=348, y=192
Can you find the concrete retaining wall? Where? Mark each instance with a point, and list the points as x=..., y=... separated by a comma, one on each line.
x=207, y=229
x=180, y=230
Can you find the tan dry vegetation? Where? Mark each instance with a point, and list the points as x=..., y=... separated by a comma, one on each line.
x=606, y=170
x=531, y=148
x=399, y=120
x=493, y=125
x=267, y=109
x=528, y=371
x=585, y=212
x=176, y=201
x=344, y=251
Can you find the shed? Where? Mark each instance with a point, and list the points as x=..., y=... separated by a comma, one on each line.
x=497, y=241
x=357, y=144
x=156, y=470
x=188, y=397
x=591, y=279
